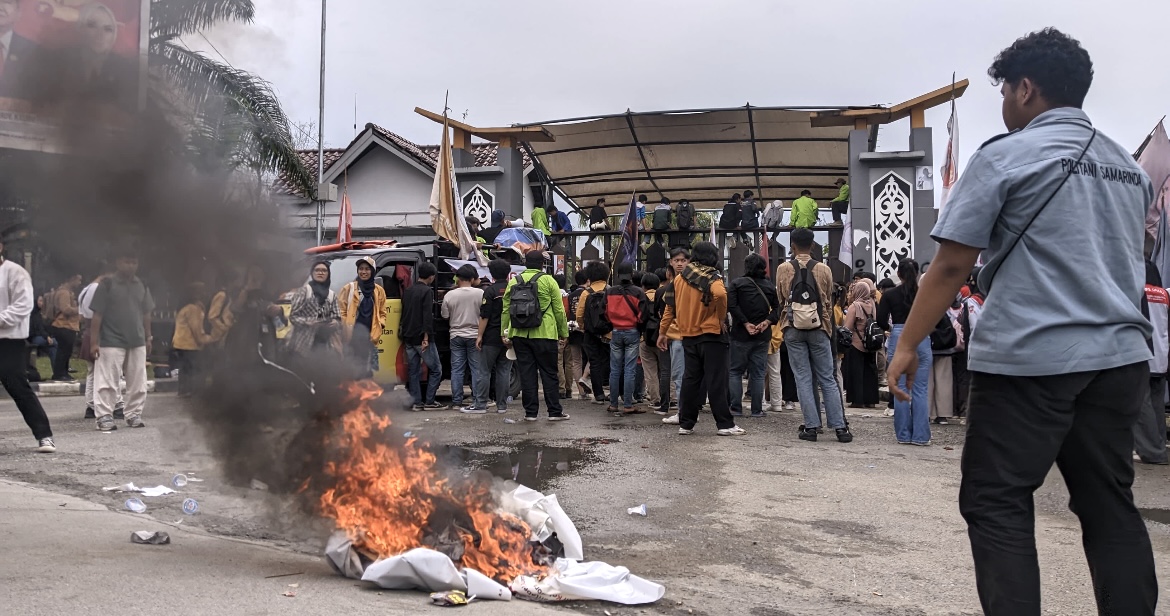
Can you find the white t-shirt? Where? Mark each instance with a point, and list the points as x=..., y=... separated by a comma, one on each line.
x=461, y=309
x=85, y=299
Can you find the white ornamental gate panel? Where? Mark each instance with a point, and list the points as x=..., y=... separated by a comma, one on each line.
x=893, y=224
x=479, y=203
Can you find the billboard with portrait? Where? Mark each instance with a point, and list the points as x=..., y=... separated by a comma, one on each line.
x=58, y=53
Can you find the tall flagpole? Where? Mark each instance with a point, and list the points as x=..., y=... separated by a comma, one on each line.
x=321, y=137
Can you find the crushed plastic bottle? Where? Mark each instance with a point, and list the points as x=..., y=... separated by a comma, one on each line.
x=509, y=421
x=136, y=505
x=179, y=481
x=190, y=507
x=639, y=510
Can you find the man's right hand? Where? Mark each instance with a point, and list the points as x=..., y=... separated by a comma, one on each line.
x=93, y=350
x=663, y=342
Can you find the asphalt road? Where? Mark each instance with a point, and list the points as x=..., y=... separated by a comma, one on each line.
x=764, y=524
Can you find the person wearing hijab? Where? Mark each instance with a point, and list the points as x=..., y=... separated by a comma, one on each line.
x=362, y=305
x=315, y=316
x=859, y=367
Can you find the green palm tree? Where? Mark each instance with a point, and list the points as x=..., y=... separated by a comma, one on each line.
x=234, y=115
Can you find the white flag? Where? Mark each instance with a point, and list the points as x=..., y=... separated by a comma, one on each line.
x=950, y=166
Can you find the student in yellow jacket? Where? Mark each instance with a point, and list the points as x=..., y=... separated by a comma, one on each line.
x=362, y=304
x=191, y=338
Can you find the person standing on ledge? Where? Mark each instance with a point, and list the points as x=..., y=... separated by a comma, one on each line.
x=1062, y=385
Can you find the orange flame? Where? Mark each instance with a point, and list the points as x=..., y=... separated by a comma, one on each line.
x=386, y=498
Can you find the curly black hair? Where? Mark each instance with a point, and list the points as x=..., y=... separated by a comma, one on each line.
x=1053, y=60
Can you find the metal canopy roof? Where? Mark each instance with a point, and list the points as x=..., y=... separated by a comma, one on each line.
x=701, y=155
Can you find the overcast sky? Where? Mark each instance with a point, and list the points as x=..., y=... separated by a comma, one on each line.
x=510, y=61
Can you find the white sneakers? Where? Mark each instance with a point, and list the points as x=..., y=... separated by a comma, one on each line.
x=46, y=445
x=732, y=431
x=673, y=419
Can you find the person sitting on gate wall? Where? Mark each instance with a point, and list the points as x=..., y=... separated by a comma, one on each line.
x=840, y=204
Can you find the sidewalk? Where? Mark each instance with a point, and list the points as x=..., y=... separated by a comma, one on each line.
x=64, y=555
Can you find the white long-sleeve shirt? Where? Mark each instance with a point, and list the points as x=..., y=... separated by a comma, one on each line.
x=16, y=301
x=85, y=299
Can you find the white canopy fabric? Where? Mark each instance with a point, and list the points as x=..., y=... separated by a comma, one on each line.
x=703, y=156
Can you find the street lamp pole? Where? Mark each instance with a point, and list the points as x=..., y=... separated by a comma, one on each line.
x=321, y=137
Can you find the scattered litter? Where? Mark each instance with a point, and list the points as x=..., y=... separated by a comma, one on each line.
x=871, y=466
x=607, y=613
x=135, y=505
x=289, y=593
x=645, y=447
x=866, y=416
x=190, y=507
x=949, y=448
x=61, y=505
x=259, y=485
x=877, y=594
x=147, y=537
x=178, y=522
x=294, y=585
x=509, y=421
x=126, y=487
x=562, y=466
x=407, y=434
x=179, y=481
x=194, y=479
x=451, y=598
x=639, y=510
x=280, y=575
x=157, y=491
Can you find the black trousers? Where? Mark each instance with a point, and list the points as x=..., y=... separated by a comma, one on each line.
x=706, y=368
x=14, y=378
x=1016, y=428
x=190, y=371
x=839, y=209
x=597, y=352
x=962, y=383
x=66, y=339
x=787, y=376
x=538, y=356
x=663, y=376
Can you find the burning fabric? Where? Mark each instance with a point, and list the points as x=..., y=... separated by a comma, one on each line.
x=404, y=523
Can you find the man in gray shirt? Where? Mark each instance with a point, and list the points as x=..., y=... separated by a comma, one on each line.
x=1059, y=358
x=121, y=343
x=461, y=307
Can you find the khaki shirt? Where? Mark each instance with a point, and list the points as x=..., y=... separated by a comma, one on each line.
x=785, y=274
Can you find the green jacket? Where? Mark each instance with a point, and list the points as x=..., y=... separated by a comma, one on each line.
x=540, y=221
x=554, y=325
x=843, y=196
x=804, y=212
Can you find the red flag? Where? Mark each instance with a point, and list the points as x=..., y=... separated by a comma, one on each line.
x=345, y=221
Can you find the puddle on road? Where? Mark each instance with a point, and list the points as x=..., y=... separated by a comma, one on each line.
x=530, y=463
x=1156, y=515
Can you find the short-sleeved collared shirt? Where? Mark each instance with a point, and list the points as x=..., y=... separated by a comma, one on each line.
x=1068, y=297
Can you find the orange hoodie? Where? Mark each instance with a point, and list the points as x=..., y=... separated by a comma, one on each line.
x=690, y=315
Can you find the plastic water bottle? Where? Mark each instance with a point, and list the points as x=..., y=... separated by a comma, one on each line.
x=135, y=505
x=179, y=481
x=190, y=507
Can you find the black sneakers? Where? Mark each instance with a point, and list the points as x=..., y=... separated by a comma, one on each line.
x=807, y=434
x=844, y=435
x=89, y=414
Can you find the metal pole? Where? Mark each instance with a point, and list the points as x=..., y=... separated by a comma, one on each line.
x=321, y=136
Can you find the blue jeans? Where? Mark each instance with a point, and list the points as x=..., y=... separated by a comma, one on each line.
x=38, y=342
x=677, y=364
x=415, y=356
x=750, y=357
x=811, y=355
x=912, y=419
x=463, y=353
x=623, y=356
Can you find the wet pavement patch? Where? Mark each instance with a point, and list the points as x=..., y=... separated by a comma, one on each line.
x=1156, y=515
x=531, y=463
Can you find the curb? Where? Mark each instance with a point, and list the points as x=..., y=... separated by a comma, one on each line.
x=54, y=390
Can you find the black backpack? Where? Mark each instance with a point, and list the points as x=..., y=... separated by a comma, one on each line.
x=596, y=319
x=661, y=220
x=650, y=320
x=730, y=217
x=524, y=307
x=873, y=338
x=804, y=299
x=944, y=337
x=686, y=215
